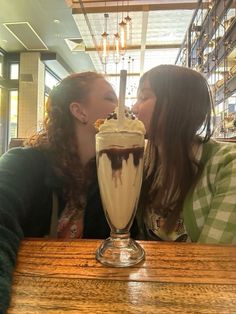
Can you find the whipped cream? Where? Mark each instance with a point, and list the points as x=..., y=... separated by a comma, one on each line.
x=130, y=123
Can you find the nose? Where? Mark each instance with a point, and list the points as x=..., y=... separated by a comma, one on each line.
x=135, y=108
x=114, y=105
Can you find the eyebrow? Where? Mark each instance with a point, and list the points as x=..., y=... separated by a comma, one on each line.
x=145, y=89
x=111, y=93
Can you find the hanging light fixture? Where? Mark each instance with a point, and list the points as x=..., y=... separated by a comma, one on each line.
x=121, y=38
x=122, y=31
x=117, y=41
x=116, y=48
x=105, y=42
x=128, y=22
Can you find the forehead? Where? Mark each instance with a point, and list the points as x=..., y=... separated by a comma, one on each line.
x=144, y=86
x=100, y=89
x=101, y=84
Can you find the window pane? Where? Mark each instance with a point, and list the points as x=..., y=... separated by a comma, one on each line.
x=13, y=114
x=1, y=125
x=14, y=71
x=0, y=69
x=45, y=105
x=1, y=65
x=132, y=87
x=50, y=80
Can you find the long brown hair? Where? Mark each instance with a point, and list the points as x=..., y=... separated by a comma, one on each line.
x=181, y=114
x=57, y=138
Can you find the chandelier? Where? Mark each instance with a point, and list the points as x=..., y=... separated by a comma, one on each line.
x=120, y=40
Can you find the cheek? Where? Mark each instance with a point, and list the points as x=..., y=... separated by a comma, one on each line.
x=100, y=112
x=105, y=110
x=108, y=108
x=146, y=123
x=145, y=116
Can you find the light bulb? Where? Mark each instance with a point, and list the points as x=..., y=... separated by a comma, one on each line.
x=128, y=21
x=116, y=48
x=122, y=36
x=104, y=48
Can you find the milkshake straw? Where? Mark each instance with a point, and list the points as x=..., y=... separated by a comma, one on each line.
x=121, y=106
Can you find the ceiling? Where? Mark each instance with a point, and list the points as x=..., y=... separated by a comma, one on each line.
x=72, y=29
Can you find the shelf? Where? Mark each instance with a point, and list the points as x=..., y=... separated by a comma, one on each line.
x=208, y=27
x=211, y=49
x=226, y=90
x=226, y=139
x=221, y=51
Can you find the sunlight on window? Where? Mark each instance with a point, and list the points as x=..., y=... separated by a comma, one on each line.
x=1, y=65
x=1, y=125
x=13, y=113
x=14, y=71
x=131, y=87
x=50, y=80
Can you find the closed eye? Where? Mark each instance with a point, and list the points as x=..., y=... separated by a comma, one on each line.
x=111, y=99
x=143, y=98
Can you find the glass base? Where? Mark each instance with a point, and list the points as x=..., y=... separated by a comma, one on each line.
x=120, y=252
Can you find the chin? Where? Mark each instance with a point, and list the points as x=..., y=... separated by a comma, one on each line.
x=147, y=131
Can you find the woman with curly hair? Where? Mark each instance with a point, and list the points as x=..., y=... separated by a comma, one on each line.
x=48, y=187
x=189, y=186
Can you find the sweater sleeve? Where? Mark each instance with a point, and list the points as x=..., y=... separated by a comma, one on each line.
x=18, y=182
x=220, y=223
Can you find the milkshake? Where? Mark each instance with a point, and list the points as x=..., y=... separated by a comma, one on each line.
x=119, y=157
x=120, y=168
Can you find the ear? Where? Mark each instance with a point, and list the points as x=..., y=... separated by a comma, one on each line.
x=79, y=112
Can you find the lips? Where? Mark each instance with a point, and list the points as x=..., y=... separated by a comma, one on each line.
x=136, y=114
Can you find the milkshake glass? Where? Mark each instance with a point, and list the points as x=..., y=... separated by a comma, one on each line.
x=119, y=157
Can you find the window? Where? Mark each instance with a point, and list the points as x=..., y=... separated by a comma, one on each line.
x=50, y=80
x=132, y=87
x=13, y=114
x=1, y=65
x=14, y=71
x=1, y=125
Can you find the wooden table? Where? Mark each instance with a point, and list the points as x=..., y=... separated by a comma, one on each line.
x=64, y=277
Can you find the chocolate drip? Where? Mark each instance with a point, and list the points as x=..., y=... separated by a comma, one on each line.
x=117, y=155
x=128, y=114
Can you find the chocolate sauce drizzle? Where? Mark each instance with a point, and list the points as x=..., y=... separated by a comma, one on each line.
x=117, y=155
x=128, y=114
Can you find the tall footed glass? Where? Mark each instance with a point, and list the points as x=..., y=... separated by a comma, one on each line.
x=120, y=169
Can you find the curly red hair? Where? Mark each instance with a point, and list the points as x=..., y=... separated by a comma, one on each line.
x=57, y=138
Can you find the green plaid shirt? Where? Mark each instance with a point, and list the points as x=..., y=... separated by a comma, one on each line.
x=210, y=207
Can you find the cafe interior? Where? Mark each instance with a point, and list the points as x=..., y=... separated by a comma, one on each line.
x=42, y=42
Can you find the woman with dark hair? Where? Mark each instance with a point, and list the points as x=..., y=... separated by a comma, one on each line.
x=189, y=187
x=49, y=187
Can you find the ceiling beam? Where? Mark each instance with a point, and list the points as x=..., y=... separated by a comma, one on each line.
x=114, y=3
x=76, y=9
x=118, y=74
x=139, y=47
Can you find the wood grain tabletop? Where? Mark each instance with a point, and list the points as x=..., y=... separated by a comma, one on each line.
x=64, y=277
